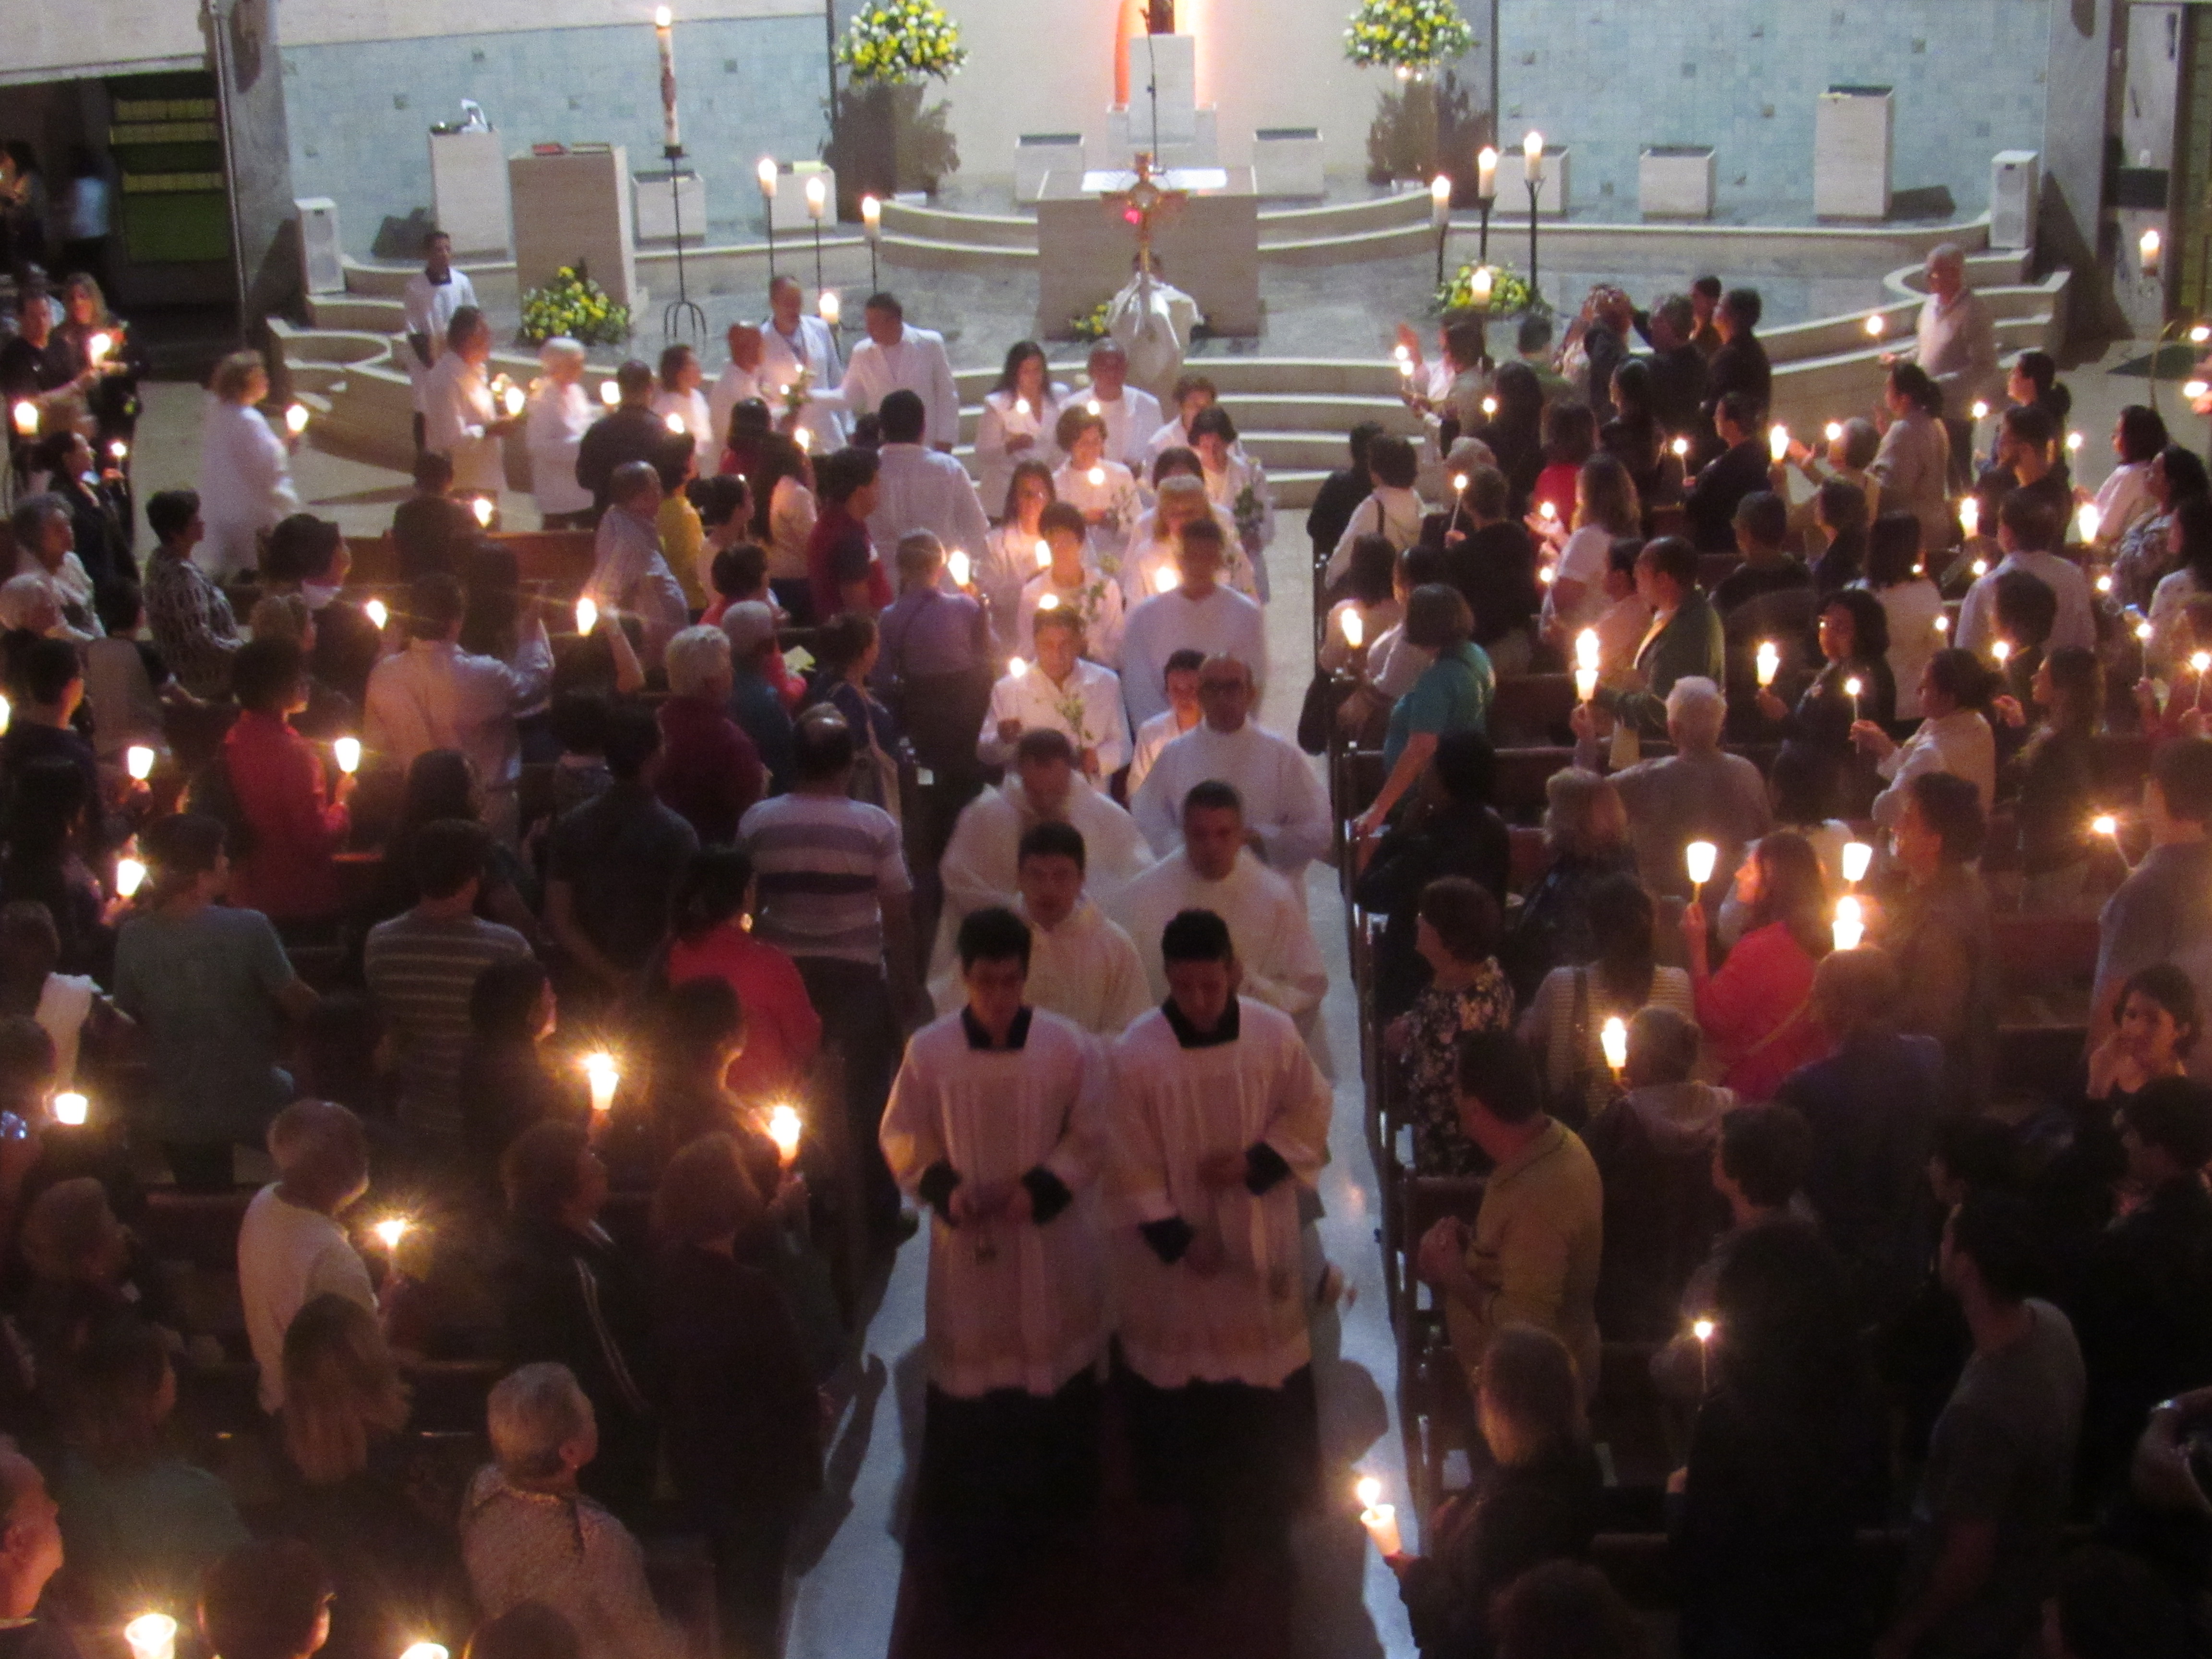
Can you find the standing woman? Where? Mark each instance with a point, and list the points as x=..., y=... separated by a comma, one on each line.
x=2125, y=495
x=1636, y=437
x=1020, y=414
x=1239, y=485
x=1605, y=510
x=245, y=469
x=682, y=403
x=559, y=414
x=1516, y=432
x=1179, y=498
x=1112, y=504
x=1392, y=509
x=783, y=511
x=1009, y=552
x=1755, y=1010
x=90, y=340
x=2148, y=550
x=1911, y=603
x=1854, y=635
x=1913, y=463
x=2056, y=771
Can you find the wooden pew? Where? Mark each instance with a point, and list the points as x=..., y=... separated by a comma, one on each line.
x=1434, y=1412
x=555, y=560
x=1531, y=708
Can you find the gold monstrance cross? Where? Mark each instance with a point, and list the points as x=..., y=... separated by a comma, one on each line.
x=1143, y=203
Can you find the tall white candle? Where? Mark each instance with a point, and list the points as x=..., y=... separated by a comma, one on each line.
x=664, y=27
x=1486, y=173
x=1531, y=156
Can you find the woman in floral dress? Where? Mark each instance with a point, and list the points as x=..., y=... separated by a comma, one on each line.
x=1467, y=991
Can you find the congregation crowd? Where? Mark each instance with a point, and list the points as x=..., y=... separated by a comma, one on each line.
x=621, y=941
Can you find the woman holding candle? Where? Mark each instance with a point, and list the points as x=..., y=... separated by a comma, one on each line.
x=1854, y=637
x=246, y=469
x=1370, y=607
x=1910, y=602
x=91, y=344
x=1104, y=490
x=1606, y=510
x=1392, y=510
x=2057, y=775
x=1021, y=413
x=1007, y=559
x=1912, y=466
x=559, y=415
x=1570, y=440
x=1754, y=1009
x=2188, y=542
x=1637, y=439
x=1566, y=1017
x=681, y=402
x=295, y=820
x=1067, y=582
x=2147, y=549
x=1179, y=498
x=1954, y=736
x=506, y=1083
x=1514, y=433
x=1585, y=840
x=1237, y=485
x=2138, y=436
x=1457, y=934
x=1536, y=1502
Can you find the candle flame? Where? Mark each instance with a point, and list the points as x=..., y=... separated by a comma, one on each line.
x=99, y=346
x=2104, y=824
x=674, y=422
x=604, y=1075
x=1368, y=1489
x=1489, y=407
x=1700, y=856
x=1354, y=629
x=1043, y=553
x=2088, y=521
x=424, y=1650
x=1549, y=513
x=483, y=508
x=1853, y=686
x=295, y=418
x=1587, y=648
x=1850, y=924
x=1970, y=515
x=1778, y=442
x=377, y=613
x=1834, y=431
x=151, y=1636
x=588, y=616
x=1585, y=684
x=1702, y=1329
x=1096, y=476
x=1875, y=325
x=1858, y=857
x=514, y=397
x=610, y=393
x=390, y=1231
x=2195, y=390
x=831, y=307
x=784, y=1130
x=2073, y=443
x=1980, y=566
x=347, y=751
x=1769, y=662
x=138, y=761
x=1164, y=580
x=1981, y=410
x=1049, y=602
x=2200, y=660
x=960, y=565
x=766, y=173
x=2001, y=650
x=1614, y=1039
x=26, y=415
x=129, y=877
x=1016, y=668
x=1680, y=447
x=71, y=1108
x=1459, y=482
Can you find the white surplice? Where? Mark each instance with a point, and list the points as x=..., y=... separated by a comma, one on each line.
x=1283, y=798
x=1085, y=970
x=1223, y=623
x=1154, y=735
x=457, y=412
x=1169, y=1107
x=916, y=364
x=1282, y=964
x=1009, y=1305
x=981, y=861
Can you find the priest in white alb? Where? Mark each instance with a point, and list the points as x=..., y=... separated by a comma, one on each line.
x=1215, y=870
x=1200, y=614
x=792, y=343
x=1218, y=1122
x=982, y=865
x=1284, y=811
x=1082, y=967
x=995, y=1123
x=1131, y=413
x=1061, y=691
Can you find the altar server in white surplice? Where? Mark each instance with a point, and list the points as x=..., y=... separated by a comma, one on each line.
x=1082, y=967
x=1213, y=870
x=1217, y=1119
x=1284, y=805
x=995, y=1124
x=982, y=862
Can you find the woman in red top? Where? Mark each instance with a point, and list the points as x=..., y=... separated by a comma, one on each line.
x=782, y=1030
x=842, y=570
x=1754, y=1010
x=276, y=777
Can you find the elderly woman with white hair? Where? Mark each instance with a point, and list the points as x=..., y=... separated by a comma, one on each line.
x=710, y=770
x=245, y=469
x=559, y=414
x=529, y=1534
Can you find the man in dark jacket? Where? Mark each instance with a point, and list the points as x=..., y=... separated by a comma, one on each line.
x=1739, y=469
x=630, y=431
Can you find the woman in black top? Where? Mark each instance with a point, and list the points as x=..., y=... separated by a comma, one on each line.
x=2057, y=775
x=1516, y=432
x=506, y=1085
x=1853, y=634
x=1636, y=439
x=1537, y=1502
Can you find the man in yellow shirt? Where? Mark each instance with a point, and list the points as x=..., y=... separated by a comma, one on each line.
x=1531, y=1257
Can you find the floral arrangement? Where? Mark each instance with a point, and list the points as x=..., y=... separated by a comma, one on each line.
x=1092, y=324
x=1411, y=36
x=900, y=41
x=1509, y=292
x=795, y=395
x=1251, y=513
x=574, y=304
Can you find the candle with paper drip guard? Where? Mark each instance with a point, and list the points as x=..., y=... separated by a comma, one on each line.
x=129, y=877
x=71, y=1108
x=1778, y=442
x=1612, y=1038
x=152, y=1636
x=1850, y=924
x=784, y=1128
x=1858, y=859
x=1355, y=631
x=600, y=1071
x=1699, y=857
x=295, y=419
x=1044, y=554
x=2087, y=521
x=376, y=612
x=587, y=617
x=1380, y=1519
x=610, y=393
x=1770, y=663
x=1586, y=665
x=138, y=762
x=347, y=752
x=958, y=563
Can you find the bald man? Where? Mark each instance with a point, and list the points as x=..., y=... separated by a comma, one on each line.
x=740, y=382
x=791, y=340
x=1957, y=344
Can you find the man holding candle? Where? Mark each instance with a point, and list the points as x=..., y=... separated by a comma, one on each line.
x=1132, y=414
x=1217, y=1119
x=1684, y=639
x=2163, y=911
x=994, y=1124
x=1199, y=613
x=794, y=342
x=431, y=298
x=291, y=1249
x=2031, y=537
x=461, y=419
x=1061, y=691
x=297, y=819
x=1739, y=468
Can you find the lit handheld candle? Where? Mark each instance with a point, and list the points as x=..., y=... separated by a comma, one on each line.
x=138, y=761
x=1850, y=924
x=1778, y=442
x=1405, y=369
x=513, y=398
x=1403, y=352
x=1981, y=410
x=1480, y=287
x=295, y=419
x=600, y=1069
x=2199, y=661
x=1546, y=574
x=1016, y=668
x=804, y=437
x=2106, y=825
x=2195, y=390
x=1049, y=602
x=1044, y=553
x=817, y=197
x=1355, y=631
x=1440, y=190
x=424, y=1650
x=765, y=173
x=390, y=1231
x=1380, y=1519
x=1587, y=648
x=483, y=509
x=71, y=1107
x=1680, y=447
x=1092, y=406
x=783, y=1128
x=1549, y=514
x=1699, y=856
x=1585, y=684
x=1875, y=325
x=1858, y=857
x=1980, y=566
x=1770, y=663
x=376, y=612
x=1614, y=1038
x=1532, y=157
x=831, y=307
x=872, y=217
x=4, y=714
x=2199, y=333
x=2105, y=582
x=1852, y=687
x=1485, y=172
x=97, y=348
x=26, y=417
x=152, y=1636
x=1164, y=578
x=588, y=616
x=2087, y=521
x=1096, y=477
x=960, y=565
x=674, y=422
x=610, y=393
x=2001, y=650
x=129, y=877
x=1833, y=432
x=1489, y=408
x=347, y=753
x=117, y=451
x=2073, y=443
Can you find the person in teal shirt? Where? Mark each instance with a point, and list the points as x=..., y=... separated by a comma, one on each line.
x=1452, y=695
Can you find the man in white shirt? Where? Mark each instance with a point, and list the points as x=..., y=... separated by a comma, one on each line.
x=738, y=383
x=462, y=421
x=290, y=1248
x=1182, y=713
x=981, y=861
x=1200, y=615
x=1062, y=691
x=2030, y=536
x=431, y=297
x=792, y=341
x=1286, y=813
x=1131, y=413
x=1218, y=1122
x=994, y=1125
x=896, y=355
x=919, y=489
x=1215, y=870
x=435, y=695
x=1956, y=342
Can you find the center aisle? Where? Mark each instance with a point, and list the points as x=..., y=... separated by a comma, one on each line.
x=1346, y=1605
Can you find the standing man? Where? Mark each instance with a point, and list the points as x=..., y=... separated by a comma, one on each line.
x=630, y=431
x=1957, y=344
x=896, y=354
x=432, y=295
x=993, y=1123
x=918, y=488
x=1287, y=814
x=1199, y=614
x=629, y=576
x=1990, y=1513
x=1218, y=1119
x=1182, y=714
x=1131, y=413
x=744, y=380
x=1062, y=691
x=792, y=341
x=2163, y=911
x=462, y=421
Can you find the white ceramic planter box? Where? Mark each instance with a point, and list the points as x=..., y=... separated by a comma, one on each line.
x=468, y=191
x=1287, y=162
x=1675, y=181
x=1036, y=154
x=1550, y=192
x=657, y=211
x=1853, y=130
x=2016, y=182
